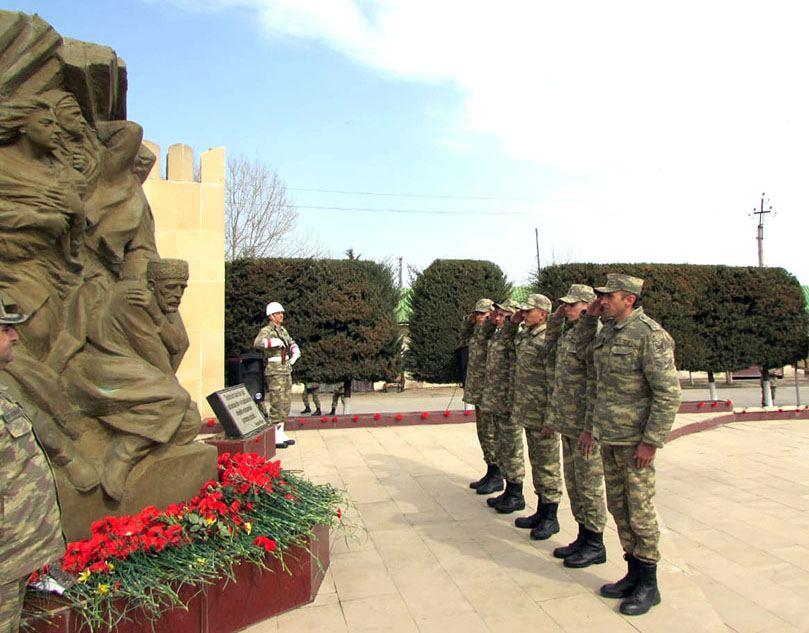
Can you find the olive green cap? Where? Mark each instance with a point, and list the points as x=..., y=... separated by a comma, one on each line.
x=579, y=292
x=536, y=301
x=627, y=283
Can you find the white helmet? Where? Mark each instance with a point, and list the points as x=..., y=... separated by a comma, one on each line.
x=274, y=307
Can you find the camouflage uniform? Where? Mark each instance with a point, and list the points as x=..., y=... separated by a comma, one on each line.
x=473, y=388
x=636, y=393
x=30, y=522
x=277, y=373
x=529, y=410
x=584, y=474
x=310, y=389
x=497, y=396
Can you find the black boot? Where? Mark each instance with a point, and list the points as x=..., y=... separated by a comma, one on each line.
x=532, y=520
x=494, y=484
x=624, y=587
x=317, y=413
x=306, y=410
x=493, y=501
x=571, y=548
x=646, y=594
x=490, y=468
x=513, y=499
x=333, y=411
x=592, y=552
x=549, y=524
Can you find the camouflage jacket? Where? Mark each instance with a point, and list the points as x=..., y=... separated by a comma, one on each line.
x=529, y=407
x=567, y=345
x=476, y=364
x=633, y=388
x=30, y=521
x=498, y=387
x=275, y=331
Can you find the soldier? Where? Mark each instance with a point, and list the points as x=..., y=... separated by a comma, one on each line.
x=311, y=389
x=529, y=410
x=498, y=392
x=636, y=393
x=30, y=523
x=337, y=395
x=571, y=330
x=482, y=327
x=280, y=353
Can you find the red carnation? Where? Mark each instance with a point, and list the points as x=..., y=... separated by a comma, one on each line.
x=334, y=419
x=714, y=404
x=324, y=419
x=356, y=418
x=467, y=412
x=445, y=414
x=267, y=544
x=729, y=403
x=377, y=416
x=425, y=415
x=399, y=417
x=700, y=405
x=211, y=422
x=339, y=513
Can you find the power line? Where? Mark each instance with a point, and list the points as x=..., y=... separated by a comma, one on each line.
x=414, y=195
x=422, y=211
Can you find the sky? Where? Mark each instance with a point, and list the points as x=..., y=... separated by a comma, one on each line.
x=623, y=131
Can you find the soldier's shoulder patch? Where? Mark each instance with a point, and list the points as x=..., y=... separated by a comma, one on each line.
x=660, y=340
x=650, y=322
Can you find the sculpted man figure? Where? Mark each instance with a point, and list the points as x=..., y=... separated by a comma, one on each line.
x=636, y=393
x=570, y=333
x=482, y=326
x=30, y=528
x=280, y=353
x=530, y=410
x=124, y=375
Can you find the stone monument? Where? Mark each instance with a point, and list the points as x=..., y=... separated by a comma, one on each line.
x=77, y=252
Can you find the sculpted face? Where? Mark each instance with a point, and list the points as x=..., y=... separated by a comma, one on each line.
x=169, y=293
x=41, y=129
x=70, y=117
x=8, y=339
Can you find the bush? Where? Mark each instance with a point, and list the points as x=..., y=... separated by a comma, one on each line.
x=342, y=313
x=441, y=296
x=722, y=318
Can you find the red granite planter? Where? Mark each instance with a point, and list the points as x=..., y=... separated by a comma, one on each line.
x=227, y=605
x=262, y=443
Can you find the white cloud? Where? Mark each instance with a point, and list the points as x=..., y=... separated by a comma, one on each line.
x=670, y=117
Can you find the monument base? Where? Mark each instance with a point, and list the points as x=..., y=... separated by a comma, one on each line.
x=187, y=467
x=261, y=442
x=225, y=605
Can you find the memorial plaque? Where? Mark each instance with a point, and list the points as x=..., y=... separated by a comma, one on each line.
x=236, y=411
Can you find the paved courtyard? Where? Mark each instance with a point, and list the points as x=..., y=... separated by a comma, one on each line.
x=428, y=555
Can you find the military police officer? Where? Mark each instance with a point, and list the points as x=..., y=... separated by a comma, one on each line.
x=498, y=392
x=529, y=409
x=280, y=353
x=636, y=394
x=571, y=330
x=482, y=326
x=30, y=523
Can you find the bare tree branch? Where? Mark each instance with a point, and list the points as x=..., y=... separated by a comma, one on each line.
x=260, y=220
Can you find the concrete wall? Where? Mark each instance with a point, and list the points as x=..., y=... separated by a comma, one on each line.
x=190, y=224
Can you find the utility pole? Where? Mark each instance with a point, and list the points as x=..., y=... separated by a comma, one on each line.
x=761, y=212
x=400, y=273
x=536, y=239
x=766, y=390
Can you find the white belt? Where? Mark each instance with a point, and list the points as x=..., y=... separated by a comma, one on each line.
x=274, y=359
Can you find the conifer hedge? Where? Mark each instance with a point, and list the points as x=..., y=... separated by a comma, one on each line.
x=722, y=318
x=342, y=313
x=441, y=296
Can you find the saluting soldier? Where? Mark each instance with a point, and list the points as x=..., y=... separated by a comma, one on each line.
x=478, y=328
x=530, y=410
x=498, y=393
x=30, y=522
x=636, y=393
x=280, y=354
x=571, y=330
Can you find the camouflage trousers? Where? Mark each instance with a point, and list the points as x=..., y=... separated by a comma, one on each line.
x=510, y=457
x=584, y=479
x=630, y=499
x=487, y=435
x=11, y=598
x=278, y=396
x=546, y=471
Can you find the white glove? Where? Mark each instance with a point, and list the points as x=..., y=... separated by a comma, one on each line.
x=273, y=342
x=294, y=353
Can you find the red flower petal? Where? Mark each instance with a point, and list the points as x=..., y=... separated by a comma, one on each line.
x=211, y=422
x=356, y=418
x=425, y=415
x=377, y=416
x=399, y=417
x=446, y=414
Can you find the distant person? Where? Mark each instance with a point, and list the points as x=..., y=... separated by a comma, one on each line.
x=281, y=353
x=310, y=389
x=30, y=523
x=337, y=395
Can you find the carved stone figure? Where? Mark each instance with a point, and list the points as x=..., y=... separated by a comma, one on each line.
x=77, y=253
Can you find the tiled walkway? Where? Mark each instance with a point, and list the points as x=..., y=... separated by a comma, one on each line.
x=429, y=555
